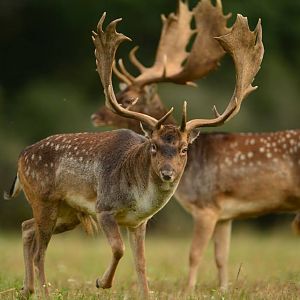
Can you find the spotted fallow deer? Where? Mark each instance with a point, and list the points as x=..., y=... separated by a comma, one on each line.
x=228, y=175
x=120, y=177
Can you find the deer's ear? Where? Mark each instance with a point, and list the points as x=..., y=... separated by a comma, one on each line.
x=146, y=130
x=193, y=135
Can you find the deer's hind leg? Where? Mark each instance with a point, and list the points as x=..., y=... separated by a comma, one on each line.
x=204, y=224
x=45, y=216
x=222, y=236
x=29, y=243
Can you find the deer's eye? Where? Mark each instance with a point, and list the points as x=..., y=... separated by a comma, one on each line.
x=183, y=151
x=153, y=148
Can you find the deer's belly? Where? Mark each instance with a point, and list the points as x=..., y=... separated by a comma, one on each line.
x=237, y=208
x=81, y=203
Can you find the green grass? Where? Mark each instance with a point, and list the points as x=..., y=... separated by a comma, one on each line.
x=269, y=268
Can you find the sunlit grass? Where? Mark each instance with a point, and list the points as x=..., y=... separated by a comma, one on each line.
x=262, y=266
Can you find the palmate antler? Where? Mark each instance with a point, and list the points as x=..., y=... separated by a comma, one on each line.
x=247, y=50
x=173, y=63
x=106, y=44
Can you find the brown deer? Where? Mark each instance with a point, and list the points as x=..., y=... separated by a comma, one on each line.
x=228, y=175
x=120, y=177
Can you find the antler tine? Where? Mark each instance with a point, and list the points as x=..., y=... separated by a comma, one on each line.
x=124, y=71
x=134, y=60
x=106, y=44
x=121, y=76
x=184, y=117
x=246, y=49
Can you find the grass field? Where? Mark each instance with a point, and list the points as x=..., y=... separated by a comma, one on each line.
x=262, y=266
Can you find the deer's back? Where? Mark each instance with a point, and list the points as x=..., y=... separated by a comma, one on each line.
x=73, y=163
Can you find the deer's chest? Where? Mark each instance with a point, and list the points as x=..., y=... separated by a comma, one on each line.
x=144, y=205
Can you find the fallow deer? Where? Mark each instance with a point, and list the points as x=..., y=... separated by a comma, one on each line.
x=228, y=175
x=120, y=177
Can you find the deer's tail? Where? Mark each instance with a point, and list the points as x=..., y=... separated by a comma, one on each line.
x=14, y=190
x=296, y=224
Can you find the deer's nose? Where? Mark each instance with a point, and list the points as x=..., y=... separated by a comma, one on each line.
x=167, y=175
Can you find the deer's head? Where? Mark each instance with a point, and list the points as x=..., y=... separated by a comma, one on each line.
x=168, y=150
x=168, y=143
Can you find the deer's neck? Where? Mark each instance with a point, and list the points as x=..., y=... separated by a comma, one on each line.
x=136, y=167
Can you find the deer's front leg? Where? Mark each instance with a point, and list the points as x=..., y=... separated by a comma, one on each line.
x=222, y=236
x=137, y=243
x=113, y=235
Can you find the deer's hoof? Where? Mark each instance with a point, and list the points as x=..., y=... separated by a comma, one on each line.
x=101, y=284
x=25, y=293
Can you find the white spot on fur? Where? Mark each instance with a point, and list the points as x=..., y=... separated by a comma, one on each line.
x=32, y=156
x=292, y=142
x=51, y=165
x=228, y=161
x=269, y=155
x=261, y=149
x=56, y=147
x=252, y=142
x=80, y=158
x=250, y=154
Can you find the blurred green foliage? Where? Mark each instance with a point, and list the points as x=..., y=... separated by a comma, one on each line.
x=48, y=82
